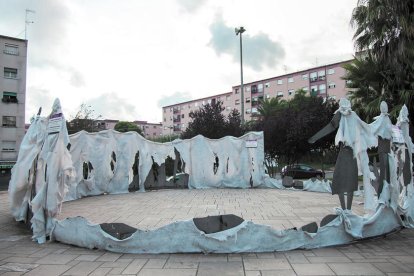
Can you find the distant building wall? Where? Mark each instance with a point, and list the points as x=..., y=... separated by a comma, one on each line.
x=13, y=60
x=324, y=81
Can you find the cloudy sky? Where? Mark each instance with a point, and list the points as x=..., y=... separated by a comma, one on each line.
x=127, y=58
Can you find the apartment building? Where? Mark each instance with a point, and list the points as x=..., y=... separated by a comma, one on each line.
x=13, y=60
x=324, y=81
x=176, y=117
x=150, y=130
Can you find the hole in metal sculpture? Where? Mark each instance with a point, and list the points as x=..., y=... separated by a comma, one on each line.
x=214, y=224
x=215, y=164
x=113, y=161
x=134, y=185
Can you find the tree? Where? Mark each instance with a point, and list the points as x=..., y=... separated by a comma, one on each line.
x=85, y=119
x=123, y=126
x=384, y=33
x=268, y=107
x=288, y=128
x=210, y=122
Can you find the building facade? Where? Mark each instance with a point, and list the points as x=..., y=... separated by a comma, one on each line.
x=13, y=61
x=324, y=81
x=149, y=130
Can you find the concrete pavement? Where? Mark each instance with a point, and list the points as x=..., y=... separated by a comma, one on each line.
x=391, y=255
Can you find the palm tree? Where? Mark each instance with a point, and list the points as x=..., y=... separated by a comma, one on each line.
x=268, y=107
x=384, y=33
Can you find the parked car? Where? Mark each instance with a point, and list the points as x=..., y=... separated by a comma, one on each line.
x=301, y=171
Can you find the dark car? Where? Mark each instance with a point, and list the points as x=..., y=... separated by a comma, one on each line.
x=301, y=171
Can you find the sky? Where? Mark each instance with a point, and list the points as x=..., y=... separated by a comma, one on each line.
x=128, y=58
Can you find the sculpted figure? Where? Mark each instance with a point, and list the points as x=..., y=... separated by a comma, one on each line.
x=407, y=149
x=353, y=137
x=382, y=128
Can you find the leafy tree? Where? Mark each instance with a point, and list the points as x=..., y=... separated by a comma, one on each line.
x=123, y=126
x=288, y=128
x=210, y=122
x=84, y=119
x=384, y=33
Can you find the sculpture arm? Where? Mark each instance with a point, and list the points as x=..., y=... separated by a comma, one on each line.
x=332, y=126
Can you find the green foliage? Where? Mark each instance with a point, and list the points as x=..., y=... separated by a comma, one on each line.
x=165, y=138
x=290, y=124
x=210, y=122
x=384, y=33
x=123, y=126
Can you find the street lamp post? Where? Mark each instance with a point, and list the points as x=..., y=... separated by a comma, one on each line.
x=240, y=31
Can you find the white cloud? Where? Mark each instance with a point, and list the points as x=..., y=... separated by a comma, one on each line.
x=127, y=58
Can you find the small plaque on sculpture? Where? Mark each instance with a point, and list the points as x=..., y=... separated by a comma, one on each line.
x=251, y=144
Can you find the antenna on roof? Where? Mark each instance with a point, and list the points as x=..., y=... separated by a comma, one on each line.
x=27, y=22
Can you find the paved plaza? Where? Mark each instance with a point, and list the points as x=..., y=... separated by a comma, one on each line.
x=281, y=209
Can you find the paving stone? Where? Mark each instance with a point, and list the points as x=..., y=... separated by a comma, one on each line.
x=181, y=264
x=253, y=273
x=43, y=270
x=155, y=263
x=312, y=269
x=22, y=260
x=355, y=269
x=296, y=258
x=388, y=267
x=135, y=266
x=329, y=260
x=167, y=272
x=278, y=273
x=86, y=257
x=56, y=259
x=100, y=271
x=109, y=257
x=220, y=268
x=266, y=264
x=82, y=268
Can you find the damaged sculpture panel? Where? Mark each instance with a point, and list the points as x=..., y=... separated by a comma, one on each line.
x=50, y=171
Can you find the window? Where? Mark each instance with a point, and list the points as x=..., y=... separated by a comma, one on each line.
x=236, y=91
x=305, y=88
x=209, y=101
x=267, y=96
x=279, y=94
x=304, y=76
x=9, y=121
x=11, y=49
x=253, y=88
x=248, y=111
x=331, y=71
x=10, y=73
x=248, y=100
x=267, y=84
x=237, y=101
x=247, y=89
x=165, y=110
x=290, y=79
x=331, y=85
x=321, y=75
x=204, y=102
x=322, y=89
x=8, y=146
x=227, y=108
x=182, y=116
x=9, y=97
x=279, y=81
x=196, y=104
x=291, y=92
x=332, y=97
x=314, y=89
x=313, y=76
x=227, y=97
x=260, y=87
x=165, y=120
x=254, y=110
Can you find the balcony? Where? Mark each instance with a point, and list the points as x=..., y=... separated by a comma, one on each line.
x=177, y=120
x=177, y=128
x=176, y=110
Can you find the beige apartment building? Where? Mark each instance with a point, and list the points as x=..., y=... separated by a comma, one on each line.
x=13, y=60
x=325, y=81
